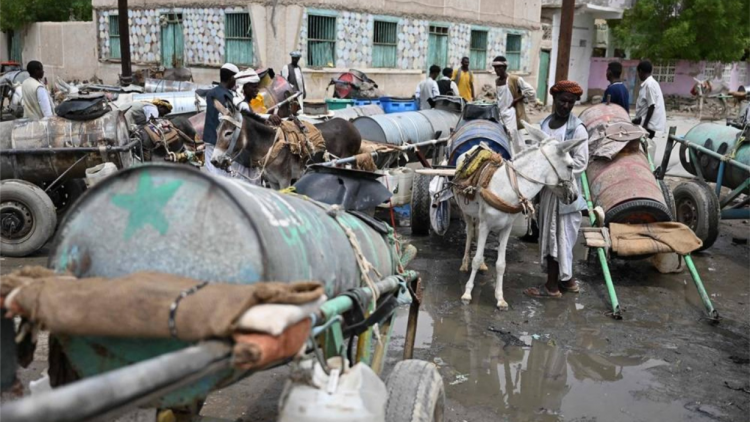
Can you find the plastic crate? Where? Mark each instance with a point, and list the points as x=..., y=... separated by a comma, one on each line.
x=338, y=104
x=397, y=105
x=359, y=102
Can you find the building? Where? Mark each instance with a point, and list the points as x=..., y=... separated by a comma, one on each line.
x=393, y=41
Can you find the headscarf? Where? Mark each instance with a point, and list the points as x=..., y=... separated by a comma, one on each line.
x=162, y=103
x=294, y=54
x=566, y=86
x=247, y=76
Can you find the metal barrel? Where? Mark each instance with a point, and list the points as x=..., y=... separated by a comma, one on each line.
x=473, y=133
x=182, y=102
x=723, y=140
x=598, y=116
x=626, y=188
x=406, y=128
x=177, y=220
x=163, y=85
x=351, y=113
x=18, y=136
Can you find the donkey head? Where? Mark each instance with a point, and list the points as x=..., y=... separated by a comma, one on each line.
x=229, y=137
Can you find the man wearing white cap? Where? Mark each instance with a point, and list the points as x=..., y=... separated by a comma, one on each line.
x=223, y=94
x=248, y=84
x=293, y=73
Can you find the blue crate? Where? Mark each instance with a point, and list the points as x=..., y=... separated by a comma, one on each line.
x=359, y=102
x=393, y=105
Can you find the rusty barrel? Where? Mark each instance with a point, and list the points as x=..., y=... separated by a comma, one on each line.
x=624, y=187
x=173, y=219
x=34, y=136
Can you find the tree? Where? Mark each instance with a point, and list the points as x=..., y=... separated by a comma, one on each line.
x=15, y=14
x=714, y=30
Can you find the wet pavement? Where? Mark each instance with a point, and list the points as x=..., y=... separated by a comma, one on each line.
x=566, y=359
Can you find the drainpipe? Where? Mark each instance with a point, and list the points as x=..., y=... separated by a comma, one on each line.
x=126, y=77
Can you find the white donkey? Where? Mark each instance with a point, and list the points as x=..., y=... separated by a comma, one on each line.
x=548, y=164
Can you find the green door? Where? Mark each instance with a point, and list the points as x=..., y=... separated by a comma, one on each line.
x=172, y=43
x=15, y=47
x=437, y=50
x=542, y=82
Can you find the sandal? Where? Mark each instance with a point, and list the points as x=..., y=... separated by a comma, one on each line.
x=575, y=288
x=541, y=292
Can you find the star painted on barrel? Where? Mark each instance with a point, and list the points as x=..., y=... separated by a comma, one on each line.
x=146, y=204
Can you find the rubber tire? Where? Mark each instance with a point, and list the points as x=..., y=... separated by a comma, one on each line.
x=420, y=205
x=668, y=199
x=705, y=224
x=617, y=213
x=42, y=213
x=416, y=393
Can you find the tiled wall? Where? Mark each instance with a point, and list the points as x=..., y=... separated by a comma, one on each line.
x=354, y=32
x=412, y=43
x=144, y=35
x=459, y=43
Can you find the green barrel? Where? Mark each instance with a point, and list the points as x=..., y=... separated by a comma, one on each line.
x=723, y=140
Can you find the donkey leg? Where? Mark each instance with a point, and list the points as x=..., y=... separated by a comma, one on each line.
x=470, y=224
x=478, y=260
x=500, y=266
x=483, y=267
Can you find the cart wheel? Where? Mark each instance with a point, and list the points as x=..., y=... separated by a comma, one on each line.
x=420, y=205
x=668, y=198
x=697, y=207
x=687, y=164
x=27, y=218
x=415, y=393
x=640, y=211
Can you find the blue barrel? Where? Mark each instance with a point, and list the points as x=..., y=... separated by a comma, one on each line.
x=177, y=220
x=406, y=128
x=474, y=132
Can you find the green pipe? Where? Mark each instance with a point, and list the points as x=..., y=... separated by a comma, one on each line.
x=712, y=313
x=735, y=193
x=341, y=304
x=600, y=252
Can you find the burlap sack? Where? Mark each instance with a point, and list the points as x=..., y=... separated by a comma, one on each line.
x=653, y=238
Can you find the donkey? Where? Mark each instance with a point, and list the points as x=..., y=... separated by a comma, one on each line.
x=548, y=164
x=255, y=139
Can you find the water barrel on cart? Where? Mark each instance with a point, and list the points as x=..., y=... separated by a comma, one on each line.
x=724, y=140
x=625, y=186
x=473, y=133
x=110, y=130
x=410, y=127
x=174, y=219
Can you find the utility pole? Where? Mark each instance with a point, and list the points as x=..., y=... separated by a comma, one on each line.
x=564, y=40
x=126, y=77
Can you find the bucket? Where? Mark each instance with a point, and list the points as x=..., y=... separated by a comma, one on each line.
x=338, y=104
x=399, y=182
x=95, y=174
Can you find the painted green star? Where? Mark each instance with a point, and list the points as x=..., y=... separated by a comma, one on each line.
x=146, y=204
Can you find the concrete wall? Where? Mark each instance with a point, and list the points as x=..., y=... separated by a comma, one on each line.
x=684, y=73
x=67, y=49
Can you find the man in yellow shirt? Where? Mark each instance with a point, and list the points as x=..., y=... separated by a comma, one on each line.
x=464, y=78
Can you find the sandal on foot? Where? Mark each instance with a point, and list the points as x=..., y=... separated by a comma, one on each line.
x=575, y=288
x=541, y=292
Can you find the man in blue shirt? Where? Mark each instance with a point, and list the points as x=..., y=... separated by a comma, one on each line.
x=222, y=93
x=617, y=92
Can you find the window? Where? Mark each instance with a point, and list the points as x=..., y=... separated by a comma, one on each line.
x=513, y=51
x=384, y=44
x=478, y=51
x=321, y=40
x=709, y=70
x=437, y=50
x=239, y=38
x=546, y=31
x=664, y=71
x=114, y=37
x=726, y=75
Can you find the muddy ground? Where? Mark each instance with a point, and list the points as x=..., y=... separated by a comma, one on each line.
x=560, y=360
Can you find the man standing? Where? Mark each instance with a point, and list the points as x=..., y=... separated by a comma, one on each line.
x=513, y=90
x=446, y=85
x=37, y=103
x=249, y=81
x=649, y=108
x=223, y=94
x=558, y=223
x=293, y=73
x=616, y=92
x=427, y=90
x=464, y=79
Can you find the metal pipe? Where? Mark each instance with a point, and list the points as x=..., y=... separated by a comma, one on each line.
x=735, y=193
x=662, y=170
x=126, y=78
x=735, y=214
x=112, y=393
x=54, y=182
x=600, y=252
x=52, y=151
x=375, y=154
x=720, y=178
x=342, y=304
x=712, y=313
x=288, y=100
x=708, y=152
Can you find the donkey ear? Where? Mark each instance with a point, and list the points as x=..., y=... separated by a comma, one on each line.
x=223, y=110
x=570, y=145
x=535, y=132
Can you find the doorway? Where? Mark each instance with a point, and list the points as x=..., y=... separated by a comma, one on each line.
x=543, y=78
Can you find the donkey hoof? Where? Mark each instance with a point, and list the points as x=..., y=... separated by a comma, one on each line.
x=464, y=268
x=466, y=298
x=502, y=305
x=483, y=267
